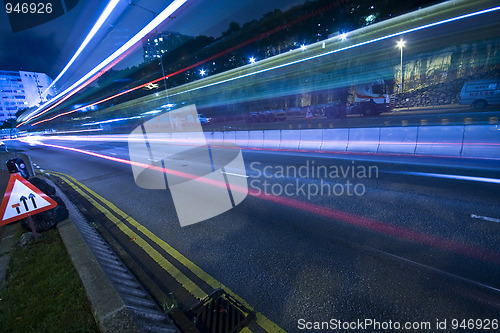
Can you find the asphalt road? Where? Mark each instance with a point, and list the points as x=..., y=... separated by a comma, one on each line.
x=413, y=246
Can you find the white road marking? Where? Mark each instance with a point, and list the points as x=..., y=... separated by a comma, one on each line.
x=446, y=176
x=486, y=218
x=234, y=174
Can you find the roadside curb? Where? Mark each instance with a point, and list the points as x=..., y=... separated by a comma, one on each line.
x=108, y=308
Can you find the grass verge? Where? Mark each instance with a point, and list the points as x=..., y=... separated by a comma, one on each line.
x=43, y=291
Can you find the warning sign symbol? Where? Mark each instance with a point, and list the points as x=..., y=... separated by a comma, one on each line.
x=22, y=199
x=309, y=113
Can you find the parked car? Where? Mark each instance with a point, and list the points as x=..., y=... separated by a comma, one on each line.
x=480, y=93
x=267, y=116
x=204, y=120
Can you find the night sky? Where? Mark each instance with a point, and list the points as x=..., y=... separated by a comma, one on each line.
x=48, y=47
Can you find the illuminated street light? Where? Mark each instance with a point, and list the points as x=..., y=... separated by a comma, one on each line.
x=343, y=36
x=401, y=45
x=203, y=72
x=251, y=60
x=303, y=47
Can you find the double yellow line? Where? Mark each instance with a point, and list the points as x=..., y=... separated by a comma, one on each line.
x=109, y=210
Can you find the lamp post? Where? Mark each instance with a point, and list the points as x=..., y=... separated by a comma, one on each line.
x=132, y=3
x=401, y=45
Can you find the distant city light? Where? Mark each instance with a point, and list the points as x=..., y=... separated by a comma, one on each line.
x=251, y=60
x=370, y=19
x=303, y=47
x=203, y=72
x=343, y=36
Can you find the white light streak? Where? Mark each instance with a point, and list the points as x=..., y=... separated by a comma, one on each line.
x=104, y=16
x=137, y=38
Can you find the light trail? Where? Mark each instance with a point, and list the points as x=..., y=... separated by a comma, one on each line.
x=359, y=221
x=258, y=37
x=457, y=18
x=447, y=176
x=343, y=49
x=93, y=104
x=102, y=18
x=285, y=145
x=176, y=4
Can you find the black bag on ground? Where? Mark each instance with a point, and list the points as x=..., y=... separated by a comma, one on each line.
x=43, y=186
x=48, y=219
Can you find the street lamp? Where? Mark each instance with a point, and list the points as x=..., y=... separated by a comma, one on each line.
x=132, y=3
x=401, y=45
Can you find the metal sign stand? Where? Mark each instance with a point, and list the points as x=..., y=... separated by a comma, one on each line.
x=32, y=226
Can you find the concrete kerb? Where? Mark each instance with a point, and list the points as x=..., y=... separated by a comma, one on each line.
x=108, y=308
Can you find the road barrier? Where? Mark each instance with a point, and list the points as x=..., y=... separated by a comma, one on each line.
x=290, y=139
x=272, y=139
x=480, y=141
x=229, y=137
x=335, y=139
x=364, y=140
x=402, y=140
x=218, y=137
x=440, y=140
x=255, y=139
x=311, y=139
x=241, y=138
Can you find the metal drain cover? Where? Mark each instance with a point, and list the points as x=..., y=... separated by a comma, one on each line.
x=220, y=313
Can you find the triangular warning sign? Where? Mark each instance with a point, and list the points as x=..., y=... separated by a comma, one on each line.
x=309, y=113
x=22, y=199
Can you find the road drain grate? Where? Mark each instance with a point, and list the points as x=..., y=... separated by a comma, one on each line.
x=220, y=313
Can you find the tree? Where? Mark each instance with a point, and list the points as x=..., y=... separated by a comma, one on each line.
x=233, y=27
x=20, y=112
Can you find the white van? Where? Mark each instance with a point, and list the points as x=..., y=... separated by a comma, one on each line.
x=480, y=93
